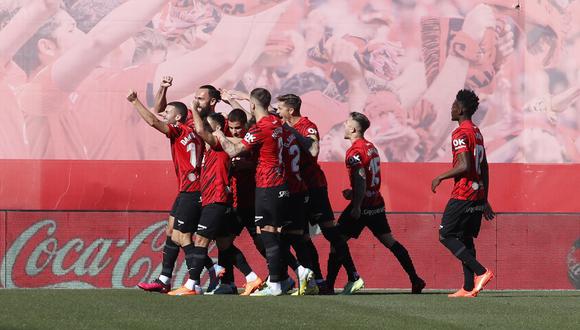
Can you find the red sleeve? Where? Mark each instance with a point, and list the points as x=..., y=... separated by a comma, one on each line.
x=253, y=138
x=174, y=131
x=353, y=159
x=459, y=143
x=312, y=130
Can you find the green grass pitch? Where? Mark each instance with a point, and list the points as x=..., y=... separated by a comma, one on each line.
x=134, y=309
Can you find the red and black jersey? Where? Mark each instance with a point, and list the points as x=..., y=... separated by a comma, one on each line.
x=468, y=138
x=266, y=139
x=292, y=157
x=363, y=155
x=243, y=181
x=215, y=183
x=186, y=150
x=309, y=167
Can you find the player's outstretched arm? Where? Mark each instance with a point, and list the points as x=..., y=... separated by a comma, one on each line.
x=233, y=97
x=161, y=96
x=463, y=166
x=147, y=115
x=307, y=143
x=208, y=137
x=119, y=25
x=232, y=148
x=23, y=26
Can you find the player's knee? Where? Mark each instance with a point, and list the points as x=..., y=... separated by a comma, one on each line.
x=201, y=241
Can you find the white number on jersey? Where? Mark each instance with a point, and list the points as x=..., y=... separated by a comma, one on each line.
x=375, y=168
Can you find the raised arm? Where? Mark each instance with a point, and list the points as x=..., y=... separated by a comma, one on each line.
x=232, y=98
x=122, y=23
x=232, y=147
x=23, y=26
x=208, y=137
x=147, y=115
x=161, y=96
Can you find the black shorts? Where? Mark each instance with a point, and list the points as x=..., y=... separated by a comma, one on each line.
x=374, y=218
x=186, y=210
x=461, y=218
x=216, y=221
x=297, y=212
x=272, y=205
x=319, y=209
x=244, y=218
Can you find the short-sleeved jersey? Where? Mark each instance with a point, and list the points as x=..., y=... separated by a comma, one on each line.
x=266, y=139
x=467, y=138
x=309, y=167
x=186, y=150
x=243, y=181
x=292, y=157
x=363, y=155
x=215, y=184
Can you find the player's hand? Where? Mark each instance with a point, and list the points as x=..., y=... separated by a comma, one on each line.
x=132, y=97
x=434, y=184
x=226, y=95
x=167, y=81
x=219, y=134
x=347, y=194
x=194, y=104
x=488, y=213
x=478, y=19
x=355, y=213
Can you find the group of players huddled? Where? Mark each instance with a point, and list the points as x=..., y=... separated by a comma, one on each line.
x=258, y=169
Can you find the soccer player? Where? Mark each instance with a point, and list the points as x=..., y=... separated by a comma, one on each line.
x=215, y=197
x=319, y=208
x=462, y=216
x=243, y=179
x=272, y=195
x=367, y=207
x=186, y=150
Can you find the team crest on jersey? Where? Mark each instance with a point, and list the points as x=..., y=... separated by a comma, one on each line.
x=249, y=137
x=354, y=159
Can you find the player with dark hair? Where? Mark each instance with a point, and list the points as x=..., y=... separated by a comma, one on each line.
x=243, y=179
x=186, y=150
x=272, y=195
x=216, y=201
x=319, y=208
x=367, y=206
x=462, y=216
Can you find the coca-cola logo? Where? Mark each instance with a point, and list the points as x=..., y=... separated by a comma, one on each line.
x=41, y=256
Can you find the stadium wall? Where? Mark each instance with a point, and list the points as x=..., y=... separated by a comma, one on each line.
x=101, y=224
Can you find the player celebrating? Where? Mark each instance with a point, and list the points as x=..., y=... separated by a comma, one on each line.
x=243, y=178
x=272, y=195
x=319, y=208
x=367, y=207
x=462, y=217
x=186, y=151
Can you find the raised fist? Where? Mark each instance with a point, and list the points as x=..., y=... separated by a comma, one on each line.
x=132, y=96
x=167, y=81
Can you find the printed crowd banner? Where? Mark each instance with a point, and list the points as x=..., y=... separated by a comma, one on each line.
x=120, y=249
